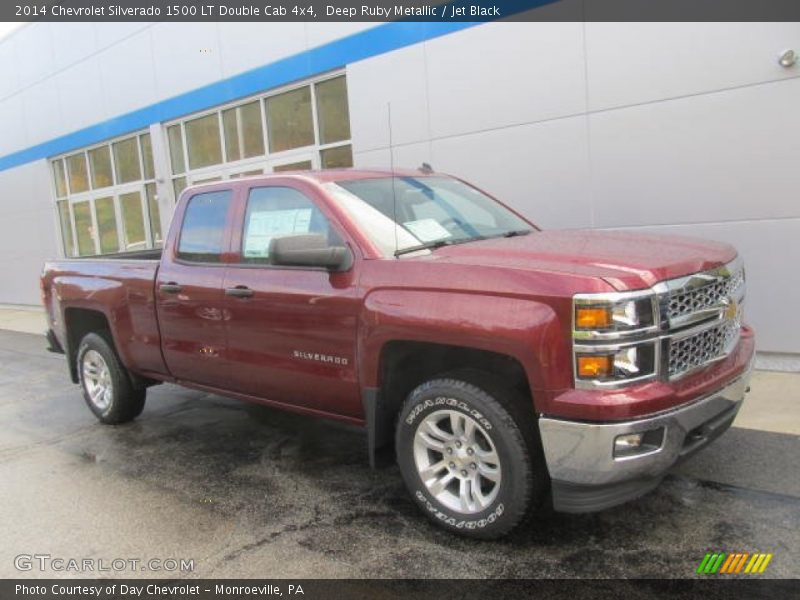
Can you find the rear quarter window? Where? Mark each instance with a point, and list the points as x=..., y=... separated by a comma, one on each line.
x=203, y=230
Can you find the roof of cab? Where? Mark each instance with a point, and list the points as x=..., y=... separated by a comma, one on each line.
x=320, y=176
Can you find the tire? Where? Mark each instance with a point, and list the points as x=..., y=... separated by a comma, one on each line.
x=484, y=498
x=105, y=383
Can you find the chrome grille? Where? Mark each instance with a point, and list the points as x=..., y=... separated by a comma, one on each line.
x=701, y=348
x=684, y=301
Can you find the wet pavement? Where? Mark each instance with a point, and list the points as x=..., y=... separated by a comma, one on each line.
x=247, y=491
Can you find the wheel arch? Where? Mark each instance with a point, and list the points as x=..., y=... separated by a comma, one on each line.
x=405, y=364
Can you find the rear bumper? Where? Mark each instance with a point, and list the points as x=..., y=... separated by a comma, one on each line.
x=586, y=476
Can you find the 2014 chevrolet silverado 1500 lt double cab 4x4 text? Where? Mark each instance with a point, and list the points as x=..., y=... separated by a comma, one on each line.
x=507, y=364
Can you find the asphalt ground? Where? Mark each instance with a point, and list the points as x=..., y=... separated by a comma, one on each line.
x=247, y=491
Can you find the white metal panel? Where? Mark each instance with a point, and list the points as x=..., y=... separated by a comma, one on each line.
x=80, y=92
x=502, y=74
x=630, y=63
x=127, y=71
x=716, y=157
x=188, y=56
x=72, y=42
x=9, y=82
x=321, y=33
x=398, y=78
x=109, y=33
x=542, y=170
x=14, y=135
x=34, y=53
x=246, y=46
x=27, y=237
x=42, y=111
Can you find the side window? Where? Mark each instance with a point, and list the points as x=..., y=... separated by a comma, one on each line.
x=203, y=230
x=278, y=211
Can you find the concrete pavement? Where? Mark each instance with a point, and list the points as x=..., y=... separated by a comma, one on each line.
x=245, y=491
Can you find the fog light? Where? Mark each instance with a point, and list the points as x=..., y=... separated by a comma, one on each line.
x=627, y=443
x=632, y=444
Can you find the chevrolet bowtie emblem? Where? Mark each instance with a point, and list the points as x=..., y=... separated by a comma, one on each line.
x=731, y=309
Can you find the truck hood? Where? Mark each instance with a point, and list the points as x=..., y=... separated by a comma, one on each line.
x=627, y=261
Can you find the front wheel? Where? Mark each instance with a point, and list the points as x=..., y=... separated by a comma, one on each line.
x=470, y=466
x=106, y=385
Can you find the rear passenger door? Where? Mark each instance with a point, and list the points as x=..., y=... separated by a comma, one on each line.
x=190, y=301
x=291, y=330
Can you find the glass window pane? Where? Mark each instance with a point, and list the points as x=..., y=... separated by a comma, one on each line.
x=78, y=173
x=252, y=132
x=176, y=157
x=332, y=111
x=289, y=120
x=202, y=141
x=60, y=178
x=155, y=214
x=178, y=185
x=203, y=229
x=147, y=156
x=126, y=160
x=278, y=211
x=66, y=228
x=233, y=150
x=106, y=225
x=100, y=166
x=304, y=165
x=244, y=136
x=133, y=221
x=83, y=228
x=335, y=158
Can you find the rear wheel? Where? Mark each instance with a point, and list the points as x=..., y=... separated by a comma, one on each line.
x=106, y=385
x=470, y=465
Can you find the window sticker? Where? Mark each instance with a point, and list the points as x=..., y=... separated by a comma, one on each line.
x=265, y=225
x=427, y=230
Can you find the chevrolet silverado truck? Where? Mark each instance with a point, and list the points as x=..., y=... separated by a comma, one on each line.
x=508, y=366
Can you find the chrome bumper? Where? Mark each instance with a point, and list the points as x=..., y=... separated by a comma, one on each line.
x=581, y=454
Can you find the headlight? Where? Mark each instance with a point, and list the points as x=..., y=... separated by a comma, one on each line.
x=602, y=316
x=608, y=364
x=608, y=331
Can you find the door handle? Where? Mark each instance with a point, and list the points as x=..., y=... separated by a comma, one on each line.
x=240, y=291
x=170, y=288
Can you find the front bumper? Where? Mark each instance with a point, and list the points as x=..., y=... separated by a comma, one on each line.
x=585, y=474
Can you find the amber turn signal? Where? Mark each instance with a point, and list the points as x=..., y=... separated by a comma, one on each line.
x=593, y=317
x=595, y=366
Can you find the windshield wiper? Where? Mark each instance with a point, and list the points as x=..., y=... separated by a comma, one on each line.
x=516, y=232
x=426, y=246
x=438, y=244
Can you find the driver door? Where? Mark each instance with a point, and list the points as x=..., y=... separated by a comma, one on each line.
x=291, y=330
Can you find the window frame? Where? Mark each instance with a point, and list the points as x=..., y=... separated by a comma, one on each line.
x=236, y=247
x=269, y=160
x=115, y=190
x=227, y=236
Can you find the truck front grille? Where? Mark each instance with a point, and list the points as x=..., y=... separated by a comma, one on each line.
x=693, y=351
x=683, y=302
x=704, y=317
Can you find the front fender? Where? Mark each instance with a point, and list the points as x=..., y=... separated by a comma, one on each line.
x=527, y=330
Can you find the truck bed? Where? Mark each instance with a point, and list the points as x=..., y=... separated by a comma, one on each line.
x=116, y=290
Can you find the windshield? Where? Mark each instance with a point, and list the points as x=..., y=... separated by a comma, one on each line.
x=401, y=214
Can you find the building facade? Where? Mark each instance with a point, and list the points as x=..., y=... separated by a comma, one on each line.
x=680, y=128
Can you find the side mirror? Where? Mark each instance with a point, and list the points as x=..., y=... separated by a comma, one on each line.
x=308, y=250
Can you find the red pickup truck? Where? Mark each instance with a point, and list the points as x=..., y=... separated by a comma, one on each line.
x=507, y=364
